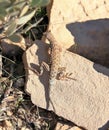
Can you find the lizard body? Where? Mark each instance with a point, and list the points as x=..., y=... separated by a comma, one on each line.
x=55, y=58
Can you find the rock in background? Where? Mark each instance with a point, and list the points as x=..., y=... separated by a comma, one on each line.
x=82, y=27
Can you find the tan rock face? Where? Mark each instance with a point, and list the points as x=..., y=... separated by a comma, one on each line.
x=82, y=27
x=61, y=126
x=83, y=98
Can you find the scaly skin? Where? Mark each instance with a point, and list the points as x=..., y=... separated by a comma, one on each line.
x=55, y=58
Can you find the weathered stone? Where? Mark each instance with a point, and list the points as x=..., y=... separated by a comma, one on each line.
x=82, y=27
x=61, y=126
x=84, y=99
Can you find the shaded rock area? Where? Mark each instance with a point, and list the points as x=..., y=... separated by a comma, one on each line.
x=83, y=98
x=92, y=40
x=82, y=27
x=14, y=46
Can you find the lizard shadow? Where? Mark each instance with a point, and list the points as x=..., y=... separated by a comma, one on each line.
x=43, y=56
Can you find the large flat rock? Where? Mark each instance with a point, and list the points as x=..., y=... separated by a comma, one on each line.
x=83, y=99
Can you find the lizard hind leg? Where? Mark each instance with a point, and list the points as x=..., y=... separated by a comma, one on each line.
x=63, y=75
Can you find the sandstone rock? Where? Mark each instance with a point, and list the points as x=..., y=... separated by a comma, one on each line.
x=84, y=99
x=82, y=27
x=61, y=126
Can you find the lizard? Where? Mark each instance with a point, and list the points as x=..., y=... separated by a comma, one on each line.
x=55, y=58
x=54, y=67
x=56, y=70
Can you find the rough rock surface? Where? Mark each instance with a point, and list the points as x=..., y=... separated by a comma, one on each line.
x=83, y=99
x=61, y=126
x=82, y=26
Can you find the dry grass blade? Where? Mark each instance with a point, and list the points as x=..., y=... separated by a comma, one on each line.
x=24, y=10
x=11, y=28
x=8, y=59
x=32, y=25
x=26, y=18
